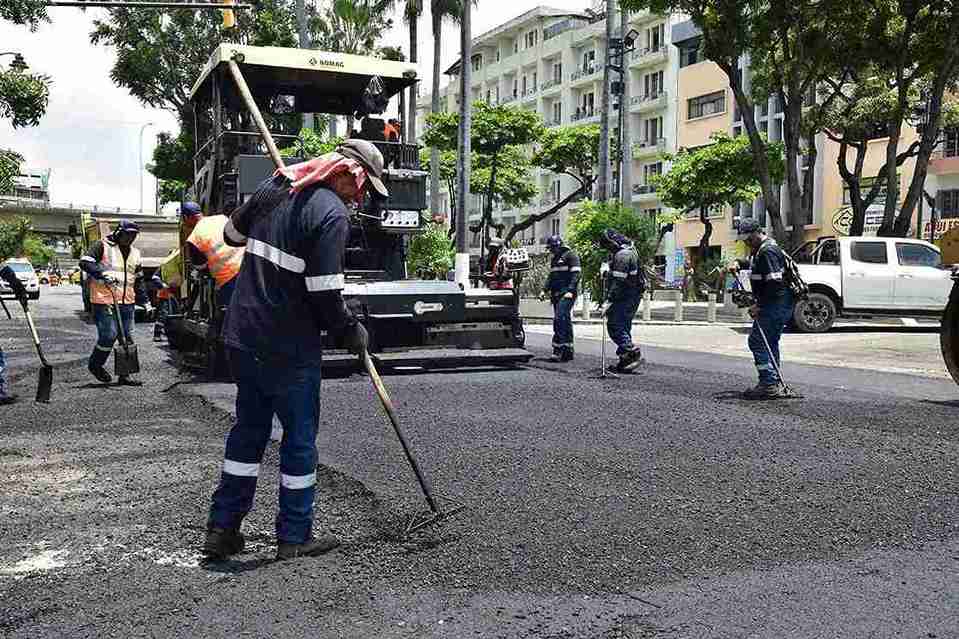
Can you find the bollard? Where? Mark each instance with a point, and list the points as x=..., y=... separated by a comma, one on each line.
x=711, y=309
x=647, y=308
x=678, y=316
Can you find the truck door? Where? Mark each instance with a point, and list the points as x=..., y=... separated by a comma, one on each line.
x=921, y=284
x=868, y=275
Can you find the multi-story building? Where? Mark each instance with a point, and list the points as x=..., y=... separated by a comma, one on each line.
x=30, y=188
x=550, y=61
x=944, y=183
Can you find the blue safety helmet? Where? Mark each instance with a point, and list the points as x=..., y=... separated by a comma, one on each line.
x=188, y=209
x=748, y=226
x=554, y=242
x=614, y=240
x=126, y=226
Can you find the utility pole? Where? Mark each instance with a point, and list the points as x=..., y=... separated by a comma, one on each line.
x=462, y=264
x=625, y=145
x=602, y=183
x=301, y=28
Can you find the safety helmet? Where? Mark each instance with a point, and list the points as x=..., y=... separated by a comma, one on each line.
x=554, y=242
x=495, y=242
x=748, y=226
x=188, y=209
x=613, y=240
x=126, y=226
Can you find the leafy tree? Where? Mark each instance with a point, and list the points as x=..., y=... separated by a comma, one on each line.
x=28, y=12
x=10, y=162
x=591, y=219
x=172, y=190
x=792, y=47
x=23, y=97
x=352, y=26
x=572, y=151
x=430, y=254
x=311, y=145
x=720, y=174
x=496, y=137
x=17, y=239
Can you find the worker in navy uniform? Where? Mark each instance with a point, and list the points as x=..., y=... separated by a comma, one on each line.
x=288, y=290
x=624, y=289
x=562, y=286
x=771, y=310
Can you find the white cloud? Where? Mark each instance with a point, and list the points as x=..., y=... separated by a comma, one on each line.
x=90, y=134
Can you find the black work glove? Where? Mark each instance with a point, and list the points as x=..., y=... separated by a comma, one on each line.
x=356, y=339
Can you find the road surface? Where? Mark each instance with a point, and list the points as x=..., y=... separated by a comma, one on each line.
x=656, y=505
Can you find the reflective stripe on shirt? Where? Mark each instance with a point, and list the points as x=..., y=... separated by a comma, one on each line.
x=275, y=255
x=619, y=274
x=774, y=276
x=317, y=283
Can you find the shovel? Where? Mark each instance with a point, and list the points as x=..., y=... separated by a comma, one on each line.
x=45, y=383
x=126, y=359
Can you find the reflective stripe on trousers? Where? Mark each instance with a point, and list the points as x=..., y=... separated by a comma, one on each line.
x=563, y=324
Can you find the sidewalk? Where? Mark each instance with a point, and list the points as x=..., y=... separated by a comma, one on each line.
x=661, y=312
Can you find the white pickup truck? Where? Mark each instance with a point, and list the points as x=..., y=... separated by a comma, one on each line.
x=869, y=276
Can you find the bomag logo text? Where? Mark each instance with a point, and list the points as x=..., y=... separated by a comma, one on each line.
x=326, y=63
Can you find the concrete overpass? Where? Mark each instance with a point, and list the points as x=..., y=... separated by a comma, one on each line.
x=56, y=219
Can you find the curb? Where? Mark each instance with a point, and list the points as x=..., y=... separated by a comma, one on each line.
x=549, y=320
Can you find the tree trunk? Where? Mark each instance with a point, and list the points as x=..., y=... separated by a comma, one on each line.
x=792, y=137
x=707, y=233
x=487, y=219
x=529, y=222
x=402, y=110
x=887, y=228
x=626, y=151
x=435, y=107
x=602, y=189
x=410, y=128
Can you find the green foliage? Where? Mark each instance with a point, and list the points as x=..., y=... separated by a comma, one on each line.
x=513, y=187
x=37, y=251
x=430, y=254
x=589, y=221
x=493, y=128
x=447, y=163
x=28, y=12
x=13, y=236
x=23, y=97
x=172, y=190
x=352, y=26
x=173, y=157
x=10, y=162
x=534, y=280
x=311, y=145
x=722, y=173
x=573, y=150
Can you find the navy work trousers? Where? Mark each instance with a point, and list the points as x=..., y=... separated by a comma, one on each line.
x=619, y=319
x=772, y=319
x=563, y=324
x=293, y=393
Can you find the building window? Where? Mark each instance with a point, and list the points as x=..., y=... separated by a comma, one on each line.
x=558, y=72
x=655, y=38
x=589, y=61
x=477, y=61
x=524, y=85
x=589, y=102
x=554, y=226
x=763, y=108
x=706, y=105
x=531, y=39
x=650, y=171
x=558, y=112
x=764, y=127
x=515, y=87
x=950, y=148
x=497, y=55
x=948, y=203
x=689, y=53
x=652, y=130
x=653, y=84
x=554, y=190
x=489, y=96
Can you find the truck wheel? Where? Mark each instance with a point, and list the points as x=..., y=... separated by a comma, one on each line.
x=949, y=334
x=815, y=314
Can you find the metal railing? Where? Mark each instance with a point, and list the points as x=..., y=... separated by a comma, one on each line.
x=10, y=201
x=549, y=84
x=649, y=147
x=583, y=73
x=649, y=100
x=643, y=189
x=583, y=114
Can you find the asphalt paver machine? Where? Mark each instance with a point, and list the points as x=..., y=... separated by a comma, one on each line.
x=424, y=323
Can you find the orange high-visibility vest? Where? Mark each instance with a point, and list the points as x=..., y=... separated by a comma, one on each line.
x=223, y=261
x=119, y=269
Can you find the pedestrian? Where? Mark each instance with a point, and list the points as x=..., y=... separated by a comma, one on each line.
x=113, y=265
x=9, y=276
x=562, y=287
x=289, y=289
x=624, y=290
x=772, y=307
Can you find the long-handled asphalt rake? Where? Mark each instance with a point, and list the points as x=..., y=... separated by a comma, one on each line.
x=436, y=514
x=603, y=373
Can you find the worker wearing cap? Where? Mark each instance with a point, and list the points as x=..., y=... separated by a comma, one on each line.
x=562, y=287
x=9, y=276
x=772, y=306
x=191, y=214
x=295, y=228
x=624, y=289
x=113, y=265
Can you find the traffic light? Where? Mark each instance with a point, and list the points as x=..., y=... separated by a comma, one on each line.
x=229, y=17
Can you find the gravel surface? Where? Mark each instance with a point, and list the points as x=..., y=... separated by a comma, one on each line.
x=656, y=505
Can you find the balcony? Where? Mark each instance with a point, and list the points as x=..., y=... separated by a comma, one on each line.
x=648, y=102
x=644, y=192
x=530, y=92
x=555, y=83
x=507, y=99
x=584, y=114
x=649, y=148
x=586, y=73
x=648, y=57
x=945, y=159
x=553, y=122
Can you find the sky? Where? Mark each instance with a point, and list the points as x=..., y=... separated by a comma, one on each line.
x=90, y=135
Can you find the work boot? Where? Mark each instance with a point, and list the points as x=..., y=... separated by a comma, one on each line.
x=566, y=355
x=221, y=543
x=157, y=333
x=129, y=381
x=765, y=391
x=100, y=373
x=634, y=359
x=557, y=356
x=5, y=399
x=311, y=548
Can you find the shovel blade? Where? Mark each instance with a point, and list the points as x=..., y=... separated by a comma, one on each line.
x=45, y=384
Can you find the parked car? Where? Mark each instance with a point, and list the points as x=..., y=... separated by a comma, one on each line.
x=869, y=276
x=26, y=274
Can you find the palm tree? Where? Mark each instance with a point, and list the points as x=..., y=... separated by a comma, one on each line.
x=411, y=16
x=439, y=10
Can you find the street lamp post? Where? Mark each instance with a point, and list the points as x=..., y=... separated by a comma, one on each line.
x=140, y=166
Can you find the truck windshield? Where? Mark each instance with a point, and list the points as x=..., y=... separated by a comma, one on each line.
x=20, y=267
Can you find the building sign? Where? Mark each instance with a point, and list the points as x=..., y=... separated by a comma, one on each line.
x=942, y=227
x=842, y=220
